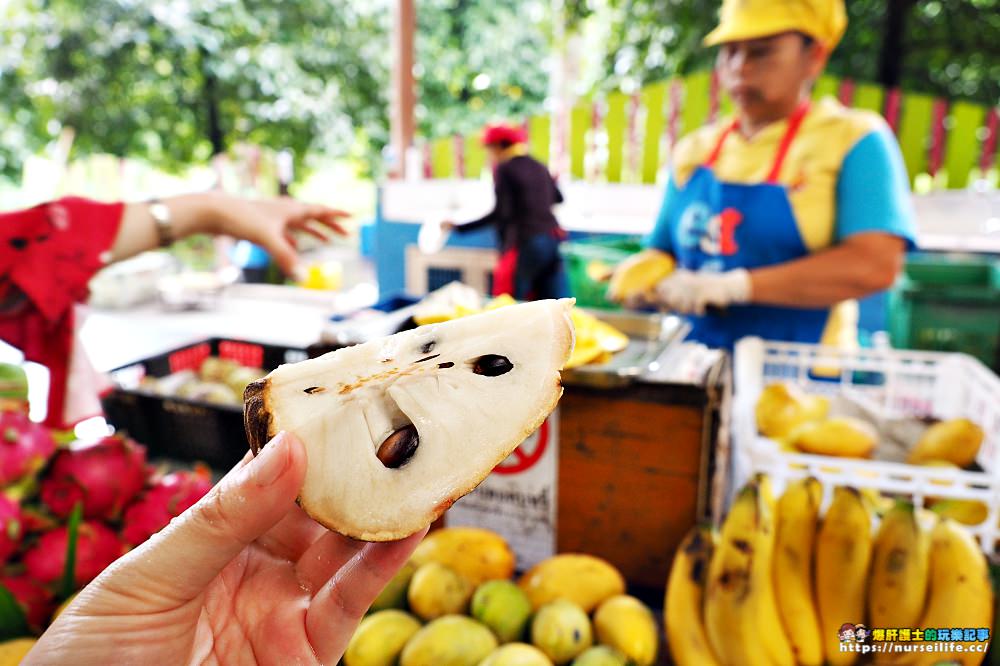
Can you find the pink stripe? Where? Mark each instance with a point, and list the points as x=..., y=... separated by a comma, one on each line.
x=846, y=92
x=892, y=105
x=940, y=111
x=675, y=114
x=595, y=124
x=990, y=142
x=428, y=169
x=713, y=97
x=633, y=133
x=459, y=156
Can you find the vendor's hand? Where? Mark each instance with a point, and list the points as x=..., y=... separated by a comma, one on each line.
x=270, y=223
x=448, y=225
x=690, y=292
x=244, y=576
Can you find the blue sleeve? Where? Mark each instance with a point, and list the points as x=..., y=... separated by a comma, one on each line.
x=661, y=238
x=873, y=190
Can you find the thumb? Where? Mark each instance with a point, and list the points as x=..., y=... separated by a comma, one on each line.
x=195, y=547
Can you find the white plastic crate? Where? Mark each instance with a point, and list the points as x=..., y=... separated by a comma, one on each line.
x=890, y=384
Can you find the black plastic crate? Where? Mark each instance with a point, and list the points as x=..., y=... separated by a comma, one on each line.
x=185, y=429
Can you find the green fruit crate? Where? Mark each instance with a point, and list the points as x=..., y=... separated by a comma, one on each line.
x=948, y=304
x=587, y=259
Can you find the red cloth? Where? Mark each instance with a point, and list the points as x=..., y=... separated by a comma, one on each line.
x=503, y=273
x=47, y=256
x=495, y=134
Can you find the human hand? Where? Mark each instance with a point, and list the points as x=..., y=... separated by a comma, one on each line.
x=448, y=225
x=270, y=223
x=243, y=576
x=689, y=292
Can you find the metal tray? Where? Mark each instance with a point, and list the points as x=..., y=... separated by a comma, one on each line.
x=649, y=335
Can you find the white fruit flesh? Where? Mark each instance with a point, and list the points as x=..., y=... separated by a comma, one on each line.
x=344, y=405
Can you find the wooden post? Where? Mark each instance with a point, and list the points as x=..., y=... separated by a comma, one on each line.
x=403, y=94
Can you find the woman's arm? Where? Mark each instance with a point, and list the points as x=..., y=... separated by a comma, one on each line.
x=860, y=265
x=266, y=222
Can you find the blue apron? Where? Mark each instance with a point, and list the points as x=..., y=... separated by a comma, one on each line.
x=725, y=225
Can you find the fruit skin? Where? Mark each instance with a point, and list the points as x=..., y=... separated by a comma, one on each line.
x=451, y=640
x=35, y=600
x=796, y=518
x=11, y=527
x=602, y=655
x=14, y=651
x=640, y=274
x=380, y=638
x=96, y=547
x=477, y=554
x=967, y=512
x=956, y=441
x=561, y=630
x=583, y=579
x=104, y=475
x=782, y=407
x=741, y=613
x=516, y=654
x=624, y=622
x=393, y=595
x=843, y=555
x=168, y=498
x=961, y=593
x=436, y=590
x=843, y=437
x=684, y=599
x=503, y=607
x=25, y=446
x=900, y=560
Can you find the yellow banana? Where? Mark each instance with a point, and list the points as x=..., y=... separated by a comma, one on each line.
x=640, y=274
x=843, y=554
x=683, y=605
x=766, y=615
x=798, y=511
x=960, y=593
x=898, y=586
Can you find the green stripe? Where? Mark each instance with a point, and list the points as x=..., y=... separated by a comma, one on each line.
x=826, y=86
x=475, y=156
x=653, y=98
x=579, y=123
x=963, y=146
x=697, y=101
x=869, y=96
x=442, y=157
x=540, y=137
x=914, y=131
x=615, y=124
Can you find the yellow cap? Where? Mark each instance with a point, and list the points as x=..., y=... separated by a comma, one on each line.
x=823, y=20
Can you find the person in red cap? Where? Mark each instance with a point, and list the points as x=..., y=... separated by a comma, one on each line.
x=529, y=234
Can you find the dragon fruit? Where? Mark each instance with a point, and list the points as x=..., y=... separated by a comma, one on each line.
x=96, y=547
x=104, y=476
x=25, y=446
x=34, y=599
x=11, y=528
x=169, y=497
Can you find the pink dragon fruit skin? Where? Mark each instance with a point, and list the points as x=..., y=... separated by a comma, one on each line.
x=104, y=476
x=34, y=599
x=25, y=446
x=170, y=497
x=97, y=546
x=11, y=527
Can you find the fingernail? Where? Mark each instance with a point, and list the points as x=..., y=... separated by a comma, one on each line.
x=272, y=462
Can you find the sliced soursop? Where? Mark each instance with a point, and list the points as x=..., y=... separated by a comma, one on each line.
x=397, y=429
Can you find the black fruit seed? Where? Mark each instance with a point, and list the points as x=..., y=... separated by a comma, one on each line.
x=427, y=347
x=399, y=447
x=492, y=365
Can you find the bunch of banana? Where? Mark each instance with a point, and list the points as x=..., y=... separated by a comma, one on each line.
x=778, y=582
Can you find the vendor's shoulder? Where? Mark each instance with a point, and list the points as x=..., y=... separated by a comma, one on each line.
x=833, y=119
x=694, y=148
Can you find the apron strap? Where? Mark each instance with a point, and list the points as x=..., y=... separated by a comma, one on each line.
x=794, y=123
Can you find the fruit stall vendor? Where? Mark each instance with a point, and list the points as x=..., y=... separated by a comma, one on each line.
x=779, y=217
x=530, y=265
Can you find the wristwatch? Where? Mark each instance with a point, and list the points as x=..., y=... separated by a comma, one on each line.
x=161, y=216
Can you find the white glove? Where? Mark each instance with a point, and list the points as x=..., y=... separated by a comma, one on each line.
x=689, y=292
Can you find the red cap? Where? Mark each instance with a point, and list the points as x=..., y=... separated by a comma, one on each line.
x=494, y=134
